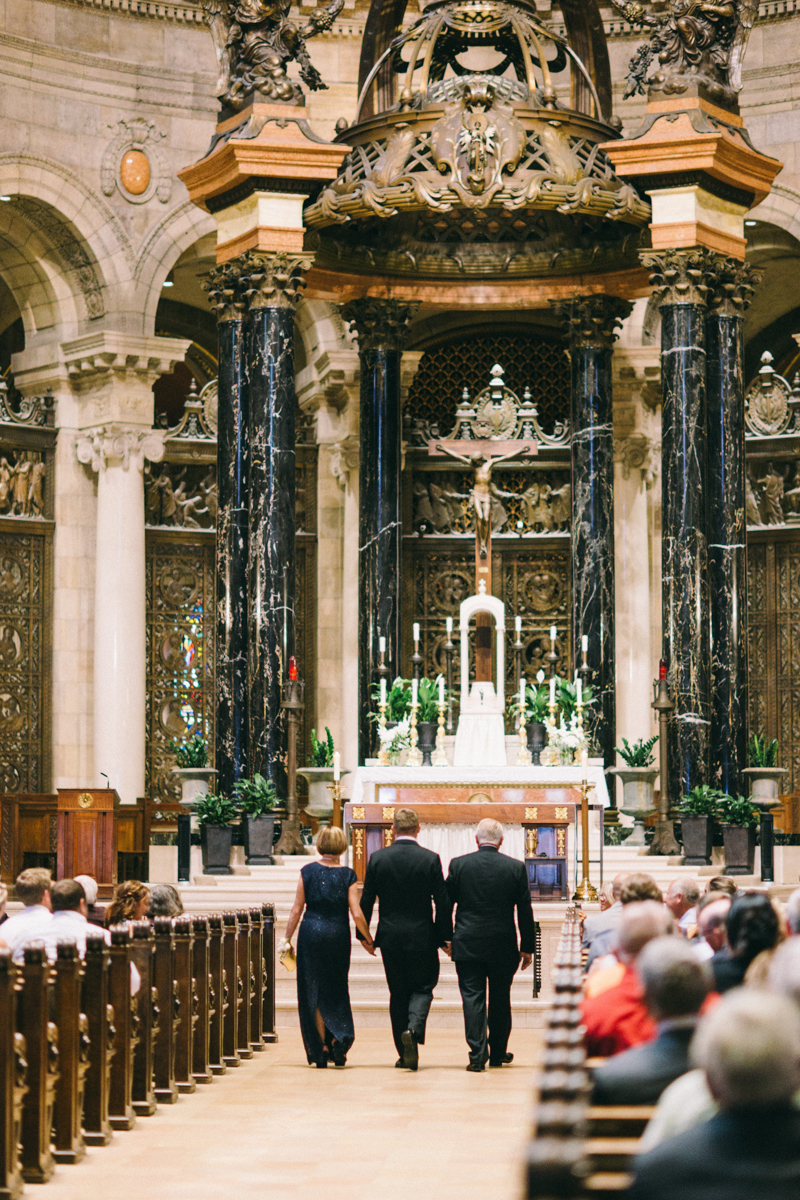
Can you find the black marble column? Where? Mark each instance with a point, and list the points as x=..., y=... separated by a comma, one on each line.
x=232, y=533
x=274, y=281
x=727, y=556
x=381, y=328
x=591, y=323
x=681, y=284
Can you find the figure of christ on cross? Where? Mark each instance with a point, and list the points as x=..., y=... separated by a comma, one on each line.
x=482, y=456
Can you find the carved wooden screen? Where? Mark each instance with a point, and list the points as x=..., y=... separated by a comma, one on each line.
x=25, y=656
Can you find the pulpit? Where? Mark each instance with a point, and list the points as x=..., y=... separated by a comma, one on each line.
x=88, y=835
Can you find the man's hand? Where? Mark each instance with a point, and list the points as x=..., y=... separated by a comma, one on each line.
x=525, y=961
x=448, y=949
x=370, y=948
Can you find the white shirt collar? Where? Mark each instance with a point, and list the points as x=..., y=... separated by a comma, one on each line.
x=405, y=837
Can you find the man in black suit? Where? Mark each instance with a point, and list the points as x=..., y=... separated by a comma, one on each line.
x=407, y=880
x=676, y=984
x=487, y=887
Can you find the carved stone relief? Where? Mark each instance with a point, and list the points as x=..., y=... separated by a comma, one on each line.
x=524, y=503
x=69, y=247
x=22, y=483
x=23, y=724
x=183, y=497
x=147, y=174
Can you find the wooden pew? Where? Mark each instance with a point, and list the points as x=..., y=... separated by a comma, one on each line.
x=187, y=1001
x=73, y=1044
x=99, y=1012
x=143, y=1096
x=41, y=1042
x=256, y=950
x=126, y=1023
x=268, y=1033
x=219, y=987
x=13, y=1081
x=231, y=1056
x=169, y=1019
x=201, y=970
x=245, y=969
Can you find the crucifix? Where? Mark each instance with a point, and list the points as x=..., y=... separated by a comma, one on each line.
x=482, y=455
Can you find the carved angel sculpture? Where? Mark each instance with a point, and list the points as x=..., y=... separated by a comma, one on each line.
x=697, y=40
x=256, y=41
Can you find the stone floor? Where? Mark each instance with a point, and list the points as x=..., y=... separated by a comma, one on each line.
x=277, y=1127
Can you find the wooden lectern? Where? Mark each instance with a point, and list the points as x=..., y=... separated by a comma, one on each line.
x=87, y=836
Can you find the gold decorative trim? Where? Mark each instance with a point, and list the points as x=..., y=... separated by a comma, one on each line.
x=561, y=841
x=531, y=814
x=388, y=814
x=388, y=837
x=562, y=813
x=85, y=800
x=359, y=812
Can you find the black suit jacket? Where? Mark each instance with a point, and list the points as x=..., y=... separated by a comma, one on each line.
x=639, y=1075
x=407, y=880
x=487, y=886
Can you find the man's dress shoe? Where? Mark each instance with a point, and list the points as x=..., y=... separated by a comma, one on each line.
x=473, y=1066
x=410, y=1054
x=499, y=1062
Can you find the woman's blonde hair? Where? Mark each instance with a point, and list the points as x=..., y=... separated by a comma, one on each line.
x=127, y=898
x=331, y=840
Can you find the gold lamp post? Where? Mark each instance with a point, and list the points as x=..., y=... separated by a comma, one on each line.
x=585, y=891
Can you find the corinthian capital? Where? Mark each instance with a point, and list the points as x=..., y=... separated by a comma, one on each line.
x=226, y=290
x=592, y=321
x=636, y=452
x=273, y=280
x=379, y=324
x=732, y=283
x=681, y=276
x=96, y=446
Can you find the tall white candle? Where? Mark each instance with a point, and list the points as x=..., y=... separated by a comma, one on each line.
x=441, y=690
x=416, y=631
x=553, y=690
x=449, y=625
x=336, y=768
x=522, y=691
x=578, y=690
x=414, y=691
x=585, y=642
x=518, y=624
x=382, y=644
x=553, y=633
x=383, y=689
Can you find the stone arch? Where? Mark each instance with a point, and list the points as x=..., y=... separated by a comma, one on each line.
x=166, y=242
x=781, y=207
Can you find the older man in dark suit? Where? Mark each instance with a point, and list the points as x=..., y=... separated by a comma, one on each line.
x=407, y=881
x=487, y=887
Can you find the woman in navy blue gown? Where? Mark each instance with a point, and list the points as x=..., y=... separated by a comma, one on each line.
x=329, y=894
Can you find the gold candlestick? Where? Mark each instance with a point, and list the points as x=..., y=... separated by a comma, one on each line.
x=383, y=753
x=414, y=757
x=585, y=890
x=524, y=754
x=335, y=790
x=440, y=755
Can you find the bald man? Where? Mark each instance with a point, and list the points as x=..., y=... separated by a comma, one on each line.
x=600, y=929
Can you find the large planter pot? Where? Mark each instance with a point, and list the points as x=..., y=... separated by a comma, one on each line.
x=537, y=740
x=216, y=842
x=195, y=782
x=764, y=784
x=740, y=849
x=637, y=798
x=258, y=835
x=426, y=740
x=697, y=835
x=320, y=799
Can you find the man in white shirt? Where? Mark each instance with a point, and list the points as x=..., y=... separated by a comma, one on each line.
x=70, y=923
x=681, y=900
x=33, y=923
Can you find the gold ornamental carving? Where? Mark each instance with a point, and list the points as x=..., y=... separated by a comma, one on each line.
x=358, y=842
x=562, y=814
x=388, y=837
x=85, y=800
x=388, y=814
x=531, y=814
x=359, y=812
x=561, y=842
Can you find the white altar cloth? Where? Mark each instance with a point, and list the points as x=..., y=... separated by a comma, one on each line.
x=366, y=780
x=450, y=841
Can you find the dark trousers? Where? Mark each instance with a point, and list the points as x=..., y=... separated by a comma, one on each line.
x=473, y=978
x=411, y=977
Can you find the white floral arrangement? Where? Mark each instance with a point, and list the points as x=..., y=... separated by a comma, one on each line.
x=396, y=739
x=566, y=745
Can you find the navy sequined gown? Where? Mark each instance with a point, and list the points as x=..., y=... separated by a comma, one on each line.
x=323, y=957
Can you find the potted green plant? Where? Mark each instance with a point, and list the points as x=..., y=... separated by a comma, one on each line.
x=427, y=717
x=319, y=776
x=638, y=781
x=698, y=811
x=764, y=772
x=536, y=701
x=739, y=823
x=215, y=815
x=192, y=768
x=398, y=701
x=256, y=798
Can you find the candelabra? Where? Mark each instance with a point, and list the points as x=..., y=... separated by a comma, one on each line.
x=382, y=670
x=440, y=755
x=524, y=754
x=448, y=658
x=585, y=890
x=584, y=670
x=518, y=648
x=416, y=657
x=664, y=837
x=579, y=709
x=335, y=790
x=291, y=841
x=414, y=757
x=383, y=753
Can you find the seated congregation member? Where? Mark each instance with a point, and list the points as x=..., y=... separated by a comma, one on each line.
x=33, y=922
x=488, y=888
x=723, y=884
x=676, y=985
x=599, y=928
x=681, y=900
x=96, y=912
x=328, y=892
x=130, y=902
x=712, y=932
x=407, y=881
x=752, y=926
x=618, y=1018
x=165, y=901
x=70, y=922
x=749, y=1048
x=606, y=970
